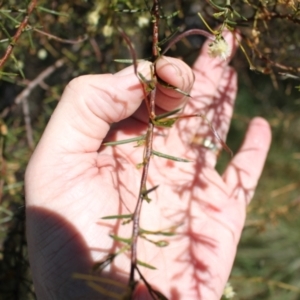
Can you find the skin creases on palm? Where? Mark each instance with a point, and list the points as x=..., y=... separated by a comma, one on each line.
x=184, y=201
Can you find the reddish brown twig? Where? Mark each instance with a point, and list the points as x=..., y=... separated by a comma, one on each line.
x=65, y=41
x=150, y=101
x=186, y=34
x=17, y=35
x=148, y=147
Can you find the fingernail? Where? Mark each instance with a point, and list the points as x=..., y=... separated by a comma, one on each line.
x=164, y=62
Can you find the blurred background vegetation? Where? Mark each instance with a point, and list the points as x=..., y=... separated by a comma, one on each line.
x=55, y=41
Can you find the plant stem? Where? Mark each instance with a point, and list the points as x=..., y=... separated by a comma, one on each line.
x=18, y=33
x=148, y=146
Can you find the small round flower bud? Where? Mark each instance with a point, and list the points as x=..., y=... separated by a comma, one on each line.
x=219, y=47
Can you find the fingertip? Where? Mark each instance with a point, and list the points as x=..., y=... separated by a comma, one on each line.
x=259, y=133
x=261, y=122
x=243, y=172
x=175, y=72
x=179, y=80
x=255, y=145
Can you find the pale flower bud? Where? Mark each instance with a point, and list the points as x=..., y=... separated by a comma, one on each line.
x=107, y=30
x=228, y=291
x=143, y=21
x=219, y=47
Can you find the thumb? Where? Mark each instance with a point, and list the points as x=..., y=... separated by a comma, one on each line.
x=88, y=106
x=242, y=174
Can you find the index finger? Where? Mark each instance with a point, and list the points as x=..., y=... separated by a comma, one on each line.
x=209, y=71
x=213, y=97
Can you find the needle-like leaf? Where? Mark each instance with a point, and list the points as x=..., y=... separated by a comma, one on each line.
x=141, y=263
x=167, y=156
x=120, y=239
x=117, y=217
x=135, y=139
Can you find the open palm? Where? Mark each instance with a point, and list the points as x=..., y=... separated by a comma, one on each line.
x=72, y=181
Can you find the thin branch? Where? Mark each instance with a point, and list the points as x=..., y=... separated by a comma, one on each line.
x=188, y=33
x=38, y=80
x=65, y=41
x=96, y=49
x=268, y=61
x=148, y=147
x=17, y=35
x=23, y=98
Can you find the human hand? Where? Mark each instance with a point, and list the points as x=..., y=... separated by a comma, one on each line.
x=72, y=182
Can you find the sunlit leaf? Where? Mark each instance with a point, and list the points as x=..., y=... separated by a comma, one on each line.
x=140, y=165
x=219, y=14
x=117, y=217
x=120, y=239
x=149, y=83
x=172, y=87
x=53, y=12
x=8, y=74
x=167, y=114
x=168, y=122
x=121, y=142
x=165, y=232
x=127, y=61
x=146, y=198
x=126, y=221
x=141, y=263
x=170, y=156
x=146, y=192
x=162, y=243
